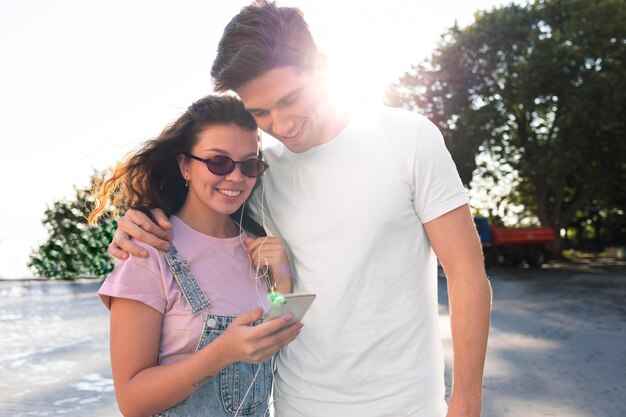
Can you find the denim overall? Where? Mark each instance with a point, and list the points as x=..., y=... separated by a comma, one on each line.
x=223, y=394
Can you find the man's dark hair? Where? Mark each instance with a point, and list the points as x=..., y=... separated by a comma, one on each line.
x=260, y=37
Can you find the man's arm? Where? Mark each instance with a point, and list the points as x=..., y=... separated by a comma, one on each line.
x=455, y=242
x=153, y=230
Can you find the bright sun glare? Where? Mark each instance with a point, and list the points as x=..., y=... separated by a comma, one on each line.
x=107, y=88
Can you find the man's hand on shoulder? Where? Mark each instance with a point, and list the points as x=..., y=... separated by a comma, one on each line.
x=137, y=225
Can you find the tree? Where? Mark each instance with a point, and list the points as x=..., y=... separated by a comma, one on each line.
x=538, y=88
x=73, y=248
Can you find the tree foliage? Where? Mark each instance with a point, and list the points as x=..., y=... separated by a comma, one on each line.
x=73, y=248
x=539, y=89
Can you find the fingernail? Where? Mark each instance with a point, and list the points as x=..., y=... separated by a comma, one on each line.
x=144, y=254
x=288, y=317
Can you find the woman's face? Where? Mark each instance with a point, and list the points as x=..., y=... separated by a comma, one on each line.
x=220, y=194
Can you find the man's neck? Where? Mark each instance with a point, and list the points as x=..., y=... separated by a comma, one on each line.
x=338, y=115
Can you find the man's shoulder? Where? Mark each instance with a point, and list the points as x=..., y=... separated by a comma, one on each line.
x=385, y=114
x=393, y=123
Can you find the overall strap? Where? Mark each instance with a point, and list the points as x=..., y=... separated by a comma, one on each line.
x=186, y=281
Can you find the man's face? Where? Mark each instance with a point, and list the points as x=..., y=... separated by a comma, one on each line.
x=288, y=103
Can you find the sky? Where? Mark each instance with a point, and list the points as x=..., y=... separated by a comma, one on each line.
x=84, y=82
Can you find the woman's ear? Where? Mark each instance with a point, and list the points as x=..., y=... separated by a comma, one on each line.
x=183, y=165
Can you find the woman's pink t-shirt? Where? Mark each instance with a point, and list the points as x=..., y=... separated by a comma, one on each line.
x=222, y=269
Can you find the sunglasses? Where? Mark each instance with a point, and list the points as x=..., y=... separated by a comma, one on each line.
x=224, y=165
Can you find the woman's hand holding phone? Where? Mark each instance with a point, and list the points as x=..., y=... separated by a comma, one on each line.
x=256, y=344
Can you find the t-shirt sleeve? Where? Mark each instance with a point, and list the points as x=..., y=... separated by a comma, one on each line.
x=136, y=279
x=438, y=187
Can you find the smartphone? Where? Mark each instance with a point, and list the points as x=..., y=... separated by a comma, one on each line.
x=296, y=304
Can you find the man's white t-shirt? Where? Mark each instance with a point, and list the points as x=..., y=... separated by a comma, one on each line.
x=351, y=213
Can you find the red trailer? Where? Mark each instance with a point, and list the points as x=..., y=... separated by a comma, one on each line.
x=513, y=245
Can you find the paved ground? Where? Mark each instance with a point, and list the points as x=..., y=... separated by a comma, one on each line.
x=54, y=351
x=557, y=346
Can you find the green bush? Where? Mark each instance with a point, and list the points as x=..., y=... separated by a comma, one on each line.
x=74, y=249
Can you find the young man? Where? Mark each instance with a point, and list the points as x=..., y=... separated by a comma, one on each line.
x=366, y=199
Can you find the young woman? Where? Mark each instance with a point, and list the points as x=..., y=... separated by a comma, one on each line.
x=185, y=337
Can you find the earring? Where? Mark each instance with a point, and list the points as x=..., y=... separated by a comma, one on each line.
x=186, y=183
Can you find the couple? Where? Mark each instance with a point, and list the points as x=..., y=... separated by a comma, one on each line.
x=365, y=199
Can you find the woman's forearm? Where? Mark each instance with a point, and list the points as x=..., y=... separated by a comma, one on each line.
x=160, y=387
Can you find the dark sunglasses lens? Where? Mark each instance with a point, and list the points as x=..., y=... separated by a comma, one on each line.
x=252, y=167
x=221, y=165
